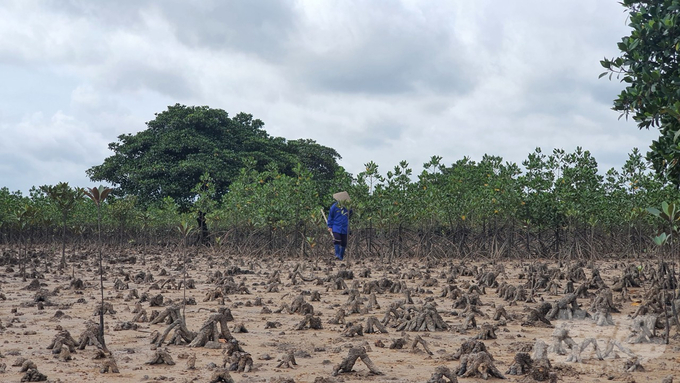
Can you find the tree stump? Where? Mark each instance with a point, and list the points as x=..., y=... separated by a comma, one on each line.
x=309, y=321
x=501, y=313
x=63, y=338
x=372, y=323
x=339, y=284
x=478, y=365
x=239, y=362
x=107, y=307
x=565, y=308
x=442, y=372
x=373, y=302
x=191, y=362
x=133, y=294
x=633, y=365
x=182, y=334
x=560, y=336
x=469, y=324
x=27, y=365
x=90, y=337
x=353, y=307
x=487, y=332
x=348, y=363
x=425, y=318
x=109, y=366
x=576, y=351
x=553, y=287
x=65, y=354
x=643, y=329
x=120, y=285
x=419, y=340
x=76, y=284
x=469, y=347
x=33, y=286
x=536, y=317
x=240, y=329
x=604, y=300
x=611, y=343
x=209, y=332
x=156, y=301
x=213, y=295
x=125, y=326
x=603, y=317
x=33, y=375
x=283, y=308
x=521, y=364
x=541, y=372
x=398, y=344
x=298, y=306
x=169, y=315
x=407, y=296
x=287, y=360
x=221, y=376
x=161, y=356
x=353, y=330
x=140, y=316
x=232, y=347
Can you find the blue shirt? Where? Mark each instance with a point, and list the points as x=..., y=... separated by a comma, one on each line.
x=338, y=219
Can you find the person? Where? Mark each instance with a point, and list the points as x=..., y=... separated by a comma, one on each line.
x=338, y=225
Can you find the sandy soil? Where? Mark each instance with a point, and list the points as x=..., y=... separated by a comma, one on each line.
x=27, y=329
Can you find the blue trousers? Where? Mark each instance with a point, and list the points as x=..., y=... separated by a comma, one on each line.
x=340, y=242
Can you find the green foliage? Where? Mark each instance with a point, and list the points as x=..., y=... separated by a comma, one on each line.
x=649, y=67
x=63, y=196
x=271, y=199
x=65, y=200
x=205, y=194
x=670, y=214
x=558, y=200
x=183, y=143
x=9, y=203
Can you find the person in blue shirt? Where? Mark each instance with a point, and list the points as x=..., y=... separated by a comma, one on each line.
x=338, y=225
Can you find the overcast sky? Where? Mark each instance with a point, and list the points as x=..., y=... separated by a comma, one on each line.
x=376, y=80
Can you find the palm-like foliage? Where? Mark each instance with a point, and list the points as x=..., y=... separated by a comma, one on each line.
x=65, y=199
x=98, y=195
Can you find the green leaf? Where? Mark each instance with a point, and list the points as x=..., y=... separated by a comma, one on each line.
x=664, y=207
x=654, y=211
x=660, y=239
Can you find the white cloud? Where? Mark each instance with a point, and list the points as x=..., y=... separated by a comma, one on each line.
x=381, y=81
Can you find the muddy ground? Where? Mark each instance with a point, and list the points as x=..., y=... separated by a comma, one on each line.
x=261, y=293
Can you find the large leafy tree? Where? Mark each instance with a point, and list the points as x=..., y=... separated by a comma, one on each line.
x=649, y=66
x=319, y=160
x=182, y=143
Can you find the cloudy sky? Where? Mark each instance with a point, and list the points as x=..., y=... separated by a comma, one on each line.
x=382, y=80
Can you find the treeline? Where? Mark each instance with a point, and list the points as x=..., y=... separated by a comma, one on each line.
x=553, y=205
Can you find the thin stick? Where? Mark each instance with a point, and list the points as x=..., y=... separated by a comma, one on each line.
x=326, y=220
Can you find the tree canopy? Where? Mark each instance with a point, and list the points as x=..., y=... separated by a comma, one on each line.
x=649, y=66
x=184, y=142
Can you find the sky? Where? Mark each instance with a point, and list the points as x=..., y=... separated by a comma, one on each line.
x=382, y=81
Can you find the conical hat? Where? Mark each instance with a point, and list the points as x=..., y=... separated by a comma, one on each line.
x=341, y=196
